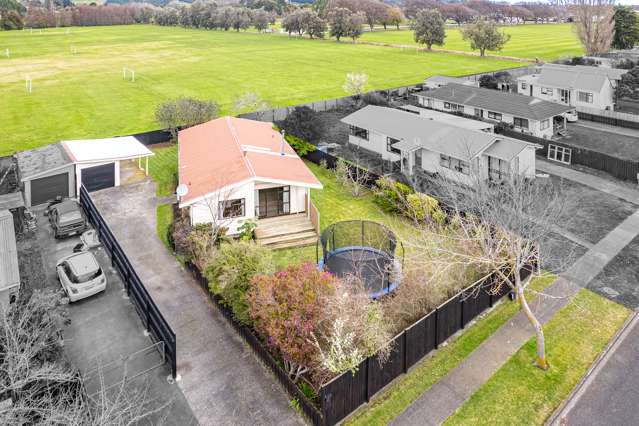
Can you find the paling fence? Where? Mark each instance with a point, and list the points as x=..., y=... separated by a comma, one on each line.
x=612, y=118
x=146, y=308
x=346, y=392
x=617, y=167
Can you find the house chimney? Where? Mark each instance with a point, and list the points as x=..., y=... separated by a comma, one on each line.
x=282, y=143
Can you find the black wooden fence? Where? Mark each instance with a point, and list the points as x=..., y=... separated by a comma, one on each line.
x=610, y=120
x=617, y=167
x=146, y=308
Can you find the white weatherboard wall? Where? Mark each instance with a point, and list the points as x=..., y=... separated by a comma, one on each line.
x=376, y=143
x=602, y=99
x=206, y=211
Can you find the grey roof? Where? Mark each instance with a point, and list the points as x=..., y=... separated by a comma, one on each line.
x=41, y=160
x=9, y=271
x=443, y=117
x=581, y=78
x=497, y=101
x=414, y=131
x=507, y=148
x=611, y=73
x=444, y=79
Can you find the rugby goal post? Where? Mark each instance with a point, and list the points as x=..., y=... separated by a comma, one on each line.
x=128, y=74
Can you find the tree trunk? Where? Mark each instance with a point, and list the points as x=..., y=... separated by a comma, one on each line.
x=540, y=360
x=482, y=52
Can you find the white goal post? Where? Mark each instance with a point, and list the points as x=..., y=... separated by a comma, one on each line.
x=128, y=74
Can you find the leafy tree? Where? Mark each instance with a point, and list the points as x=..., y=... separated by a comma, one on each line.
x=628, y=87
x=458, y=12
x=484, y=35
x=339, y=20
x=315, y=26
x=395, y=16
x=429, y=28
x=374, y=11
x=303, y=123
x=355, y=84
x=231, y=270
x=355, y=23
x=261, y=19
x=626, y=28
x=11, y=20
x=292, y=22
x=6, y=5
x=286, y=308
x=184, y=112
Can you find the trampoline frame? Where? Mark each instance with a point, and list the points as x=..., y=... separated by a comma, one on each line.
x=387, y=286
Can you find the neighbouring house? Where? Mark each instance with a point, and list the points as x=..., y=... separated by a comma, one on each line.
x=574, y=85
x=439, y=147
x=9, y=269
x=58, y=170
x=437, y=81
x=236, y=169
x=455, y=120
x=524, y=114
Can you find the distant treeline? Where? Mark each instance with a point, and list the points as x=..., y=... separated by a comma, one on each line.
x=85, y=15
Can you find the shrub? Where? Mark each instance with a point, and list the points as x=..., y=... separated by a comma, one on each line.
x=179, y=232
x=184, y=112
x=231, y=270
x=247, y=230
x=300, y=146
x=373, y=98
x=391, y=196
x=303, y=123
x=286, y=308
x=351, y=177
x=424, y=208
x=203, y=242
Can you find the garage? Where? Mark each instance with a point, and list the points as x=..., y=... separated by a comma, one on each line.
x=97, y=161
x=45, y=173
x=98, y=177
x=48, y=188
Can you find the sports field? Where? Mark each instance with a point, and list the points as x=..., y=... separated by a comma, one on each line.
x=544, y=41
x=79, y=92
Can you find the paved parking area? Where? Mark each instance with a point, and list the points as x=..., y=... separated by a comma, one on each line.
x=221, y=378
x=104, y=329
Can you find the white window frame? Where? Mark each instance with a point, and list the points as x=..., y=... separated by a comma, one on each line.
x=455, y=164
x=588, y=95
x=545, y=124
x=524, y=86
x=546, y=91
x=493, y=115
x=559, y=153
x=522, y=121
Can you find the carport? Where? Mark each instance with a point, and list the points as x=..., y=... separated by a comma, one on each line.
x=97, y=161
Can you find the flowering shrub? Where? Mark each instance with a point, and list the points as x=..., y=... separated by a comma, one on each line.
x=286, y=308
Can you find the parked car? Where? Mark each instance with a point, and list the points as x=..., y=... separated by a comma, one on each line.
x=572, y=116
x=66, y=218
x=80, y=275
x=88, y=240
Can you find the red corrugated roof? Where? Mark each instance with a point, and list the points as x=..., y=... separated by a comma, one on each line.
x=230, y=150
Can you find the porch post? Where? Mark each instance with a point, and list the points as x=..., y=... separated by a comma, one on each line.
x=308, y=202
x=146, y=166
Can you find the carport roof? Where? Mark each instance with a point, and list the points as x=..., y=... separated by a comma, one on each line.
x=35, y=162
x=108, y=149
x=9, y=270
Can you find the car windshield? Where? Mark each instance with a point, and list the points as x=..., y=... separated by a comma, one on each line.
x=71, y=216
x=82, y=268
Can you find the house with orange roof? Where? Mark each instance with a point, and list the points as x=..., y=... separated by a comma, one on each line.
x=233, y=169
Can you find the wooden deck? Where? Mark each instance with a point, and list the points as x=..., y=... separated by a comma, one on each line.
x=295, y=230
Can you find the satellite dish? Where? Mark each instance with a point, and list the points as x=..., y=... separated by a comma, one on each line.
x=182, y=190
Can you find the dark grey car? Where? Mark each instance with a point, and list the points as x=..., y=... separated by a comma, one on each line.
x=66, y=219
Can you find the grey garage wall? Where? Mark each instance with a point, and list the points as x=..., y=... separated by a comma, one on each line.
x=70, y=169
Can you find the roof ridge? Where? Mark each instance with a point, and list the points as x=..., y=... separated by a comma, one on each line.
x=233, y=132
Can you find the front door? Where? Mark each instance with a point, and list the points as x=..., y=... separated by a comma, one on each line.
x=274, y=202
x=564, y=96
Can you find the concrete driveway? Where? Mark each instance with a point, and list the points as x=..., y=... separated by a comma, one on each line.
x=220, y=376
x=105, y=329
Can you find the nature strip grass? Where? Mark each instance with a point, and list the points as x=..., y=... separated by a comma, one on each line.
x=399, y=395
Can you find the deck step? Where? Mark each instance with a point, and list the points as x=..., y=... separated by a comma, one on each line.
x=298, y=243
x=263, y=234
x=277, y=239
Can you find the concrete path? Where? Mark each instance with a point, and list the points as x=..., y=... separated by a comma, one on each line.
x=220, y=377
x=607, y=395
x=450, y=393
x=608, y=186
x=609, y=128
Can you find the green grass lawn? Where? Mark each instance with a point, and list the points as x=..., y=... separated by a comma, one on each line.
x=336, y=204
x=83, y=94
x=400, y=394
x=164, y=215
x=163, y=168
x=544, y=41
x=520, y=393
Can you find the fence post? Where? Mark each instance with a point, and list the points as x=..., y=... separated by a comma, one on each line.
x=461, y=312
x=436, y=311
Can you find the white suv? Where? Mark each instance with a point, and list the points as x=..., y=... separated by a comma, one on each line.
x=80, y=275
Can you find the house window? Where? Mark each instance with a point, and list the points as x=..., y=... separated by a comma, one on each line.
x=585, y=97
x=546, y=91
x=545, y=124
x=359, y=132
x=453, y=107
x=232, y=208
x=524, y=86
x=497, y=169
x=559, y=153
x=456, y=164
x=479, y=112
x=389, y=145
x=494, y=115
x=521, y=122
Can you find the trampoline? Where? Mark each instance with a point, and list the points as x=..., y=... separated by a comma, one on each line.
x=363, y=249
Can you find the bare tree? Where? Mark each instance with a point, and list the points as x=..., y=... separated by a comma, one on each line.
x=502, y=229
x=351, y=177
x=250, y=102
x=594, y=23
x=355, y=84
